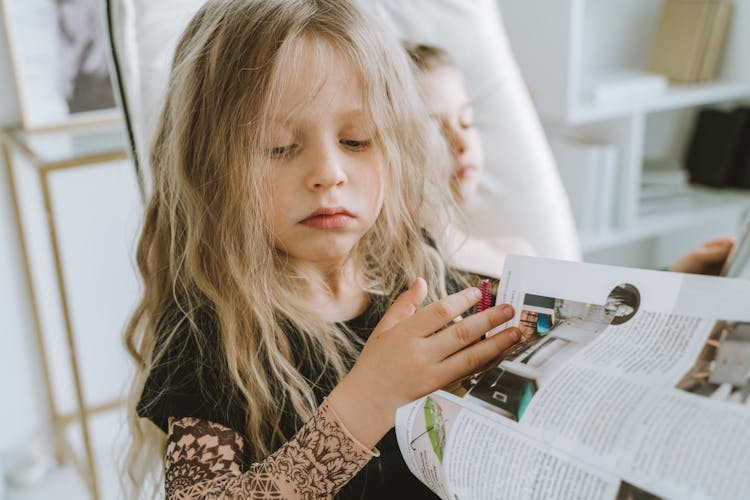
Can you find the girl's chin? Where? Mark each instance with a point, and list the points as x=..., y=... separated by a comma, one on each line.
x=466, y=191
x=466, y=174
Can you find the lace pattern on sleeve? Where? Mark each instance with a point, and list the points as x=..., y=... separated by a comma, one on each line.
x=203, y=461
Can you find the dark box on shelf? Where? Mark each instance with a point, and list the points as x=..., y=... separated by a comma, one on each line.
x=718, y=154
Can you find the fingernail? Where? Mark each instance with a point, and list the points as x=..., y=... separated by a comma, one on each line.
x=507, y=310
x=515, y=335
x=476, y=293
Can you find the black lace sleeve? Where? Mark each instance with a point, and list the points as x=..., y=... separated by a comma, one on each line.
x=202, y=461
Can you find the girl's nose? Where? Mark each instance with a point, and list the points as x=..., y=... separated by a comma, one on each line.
x=455, y=137
x=326, y=169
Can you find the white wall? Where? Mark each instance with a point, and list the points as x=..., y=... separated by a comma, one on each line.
x=24, y=403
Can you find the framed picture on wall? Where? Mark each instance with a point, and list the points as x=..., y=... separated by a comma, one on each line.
x=59, y=54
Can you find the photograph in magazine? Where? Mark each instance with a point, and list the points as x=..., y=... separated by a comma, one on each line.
x=554, y=329
x=436, y=424
x=628, y=491
x=722, y=370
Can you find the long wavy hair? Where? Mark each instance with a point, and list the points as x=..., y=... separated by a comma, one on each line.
x=205, y=251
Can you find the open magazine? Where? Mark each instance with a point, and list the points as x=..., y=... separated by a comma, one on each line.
x=738, y=261
x=633, y=384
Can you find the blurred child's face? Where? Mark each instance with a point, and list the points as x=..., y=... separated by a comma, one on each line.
x=446, y=98
x=327, y=169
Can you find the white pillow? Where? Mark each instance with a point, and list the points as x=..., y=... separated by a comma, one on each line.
x=145, y=34
x=521, y=193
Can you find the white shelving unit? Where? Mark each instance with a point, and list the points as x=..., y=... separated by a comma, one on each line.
x=559, y=44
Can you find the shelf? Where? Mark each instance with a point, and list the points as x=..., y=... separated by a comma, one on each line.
x=584, y=48
x=676, y=96
x=72, y=145
x=699, y=205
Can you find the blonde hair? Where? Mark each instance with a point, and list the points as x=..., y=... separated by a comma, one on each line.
x=204, y=253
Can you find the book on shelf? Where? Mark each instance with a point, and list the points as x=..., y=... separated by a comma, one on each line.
x=609, y=158
x=663, y=172
x=745, y=181
x=662, y=191
x=673, y=203
x=716, y=145
x=616, y=86
x=740, y=169
x=589, y=172
x=689, y=39
x=629, y=383
x=664, y=187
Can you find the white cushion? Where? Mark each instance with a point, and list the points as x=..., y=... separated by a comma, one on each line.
x=145, y=34
x=520, y=194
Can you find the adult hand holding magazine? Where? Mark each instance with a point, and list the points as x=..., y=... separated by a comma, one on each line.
x=632, y=384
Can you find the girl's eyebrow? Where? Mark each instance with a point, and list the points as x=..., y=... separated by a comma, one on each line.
x=358, y=112
x=349, y=114
x=463, y=107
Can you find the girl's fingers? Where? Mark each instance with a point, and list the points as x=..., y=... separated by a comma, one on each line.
x=718, y=249
x=469, y=330
x=723, y=242
x=404, y=306
x=435, y=316
x=714, y=256
x=475, y=357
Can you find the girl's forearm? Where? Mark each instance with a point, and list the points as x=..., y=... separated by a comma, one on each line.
x=315, y=463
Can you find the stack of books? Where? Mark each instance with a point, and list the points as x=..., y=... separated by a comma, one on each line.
x=689, y=39
x=664, y=187
x=589, y=172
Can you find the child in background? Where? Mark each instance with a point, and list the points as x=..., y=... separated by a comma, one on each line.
x=285, y=257
x=446, y=97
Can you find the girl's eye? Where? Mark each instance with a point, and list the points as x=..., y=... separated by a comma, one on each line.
x=466, y=122
x=281, y=152
x=355, y=145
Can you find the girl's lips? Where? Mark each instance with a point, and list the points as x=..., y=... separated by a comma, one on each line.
x=328, y=220
x=466, y=171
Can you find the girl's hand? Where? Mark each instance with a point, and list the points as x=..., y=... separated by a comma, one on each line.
x=709, y=258
x=412, y=353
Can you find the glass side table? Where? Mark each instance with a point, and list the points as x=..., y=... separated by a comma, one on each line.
x=33, y=160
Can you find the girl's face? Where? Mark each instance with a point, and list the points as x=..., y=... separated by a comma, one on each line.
x=326, y=166
x=447, y=100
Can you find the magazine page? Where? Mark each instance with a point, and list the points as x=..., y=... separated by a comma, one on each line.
x=643, y=375
x=463, y=451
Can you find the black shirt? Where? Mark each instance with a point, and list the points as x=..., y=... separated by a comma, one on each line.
x=186, y=383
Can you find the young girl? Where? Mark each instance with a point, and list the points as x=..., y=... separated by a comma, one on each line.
x=446, y=96
x=447, y=99
x=286, y=251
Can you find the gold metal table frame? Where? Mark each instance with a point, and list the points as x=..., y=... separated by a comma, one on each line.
x=15, y=139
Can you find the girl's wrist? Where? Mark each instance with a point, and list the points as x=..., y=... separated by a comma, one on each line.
x=360, y=413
